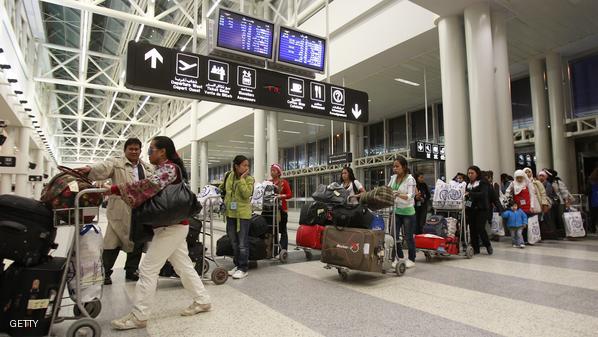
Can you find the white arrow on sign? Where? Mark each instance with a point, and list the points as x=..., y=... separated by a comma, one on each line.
x=356, y=111
x=155, y=56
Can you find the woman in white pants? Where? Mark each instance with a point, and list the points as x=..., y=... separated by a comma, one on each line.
x=168, y=242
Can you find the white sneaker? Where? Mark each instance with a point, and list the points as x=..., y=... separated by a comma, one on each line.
x=409, y=264
x=515, y=246
x=394, y=263
x=522, y=246
x=239, y=274
x=232, y=271
x=196, y=308
x=127, y=322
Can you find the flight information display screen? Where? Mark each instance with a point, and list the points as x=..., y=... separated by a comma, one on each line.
x=244, y=34
x=301, y=49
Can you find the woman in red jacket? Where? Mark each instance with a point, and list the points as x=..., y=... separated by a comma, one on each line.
x=284, y=193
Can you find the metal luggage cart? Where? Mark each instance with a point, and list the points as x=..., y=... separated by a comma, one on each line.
x=83, y=313
x=283, y=255
x=219, y=274
x=388, y=254
x=462, y=235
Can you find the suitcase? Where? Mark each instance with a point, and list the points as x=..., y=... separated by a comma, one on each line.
x=313, y=213
x=257, y=248
x=378, y=198
x=29, y=293
x=354, y=248
x=258, y=225
x=26, y=211
x=310, y=236
x=352, y=217
x=429, y=241
x=25, y=245
x=436, y=225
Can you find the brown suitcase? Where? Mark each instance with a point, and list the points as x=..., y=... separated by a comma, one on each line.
x=354, y=248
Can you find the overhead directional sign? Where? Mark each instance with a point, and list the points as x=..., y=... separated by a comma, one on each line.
x=8, y=161
x=340, y=158
x=425, y=150
x=171, y=72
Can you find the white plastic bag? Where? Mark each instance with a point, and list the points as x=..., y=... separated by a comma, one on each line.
x=207, y=200
x=91, y=269
x=533, y=230
x=448, y=196
x=452, y=226
x=497, y=227
x=257, y=199
x=573, y=225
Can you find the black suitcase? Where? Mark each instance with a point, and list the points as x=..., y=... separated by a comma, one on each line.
x=257, y=248
x=313, y=213
x=196, y=251
x=352, y=217
x=27, y=229
x=259, y=225
x=29, y=293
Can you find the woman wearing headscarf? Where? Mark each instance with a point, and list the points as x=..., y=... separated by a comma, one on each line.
x=523, y=193
x=548, y=227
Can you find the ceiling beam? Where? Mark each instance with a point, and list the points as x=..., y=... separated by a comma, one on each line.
x=145, y=20
x=93, y=119
x=78, y=51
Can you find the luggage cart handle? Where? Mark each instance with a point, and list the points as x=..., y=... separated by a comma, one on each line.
x=88, y=191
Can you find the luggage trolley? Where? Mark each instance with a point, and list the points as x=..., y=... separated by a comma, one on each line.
x=462, y=234
x=219, y=274
x=386, y=255
x=83, y=313
x=282, y=253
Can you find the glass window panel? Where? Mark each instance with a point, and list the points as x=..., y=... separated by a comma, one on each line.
x=521, y=103
x=311, y=155
x=324, y=145
x=584, y=85
x=300, y=156
x=397, y=133
x=376, y=139
x=418, y=125
x=440, y=116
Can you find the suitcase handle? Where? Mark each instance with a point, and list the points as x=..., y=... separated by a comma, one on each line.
x=74, y=173
x=13, y=225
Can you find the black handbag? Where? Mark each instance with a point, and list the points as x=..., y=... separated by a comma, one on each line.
x=173, y=204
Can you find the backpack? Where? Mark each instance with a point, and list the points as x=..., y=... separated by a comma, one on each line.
x=436, y=225
x=223, y=192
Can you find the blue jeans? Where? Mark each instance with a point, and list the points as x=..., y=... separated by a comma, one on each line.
x=409, y=223
x=517, y=235
x=239, y=241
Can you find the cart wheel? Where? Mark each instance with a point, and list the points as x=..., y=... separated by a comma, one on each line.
x=93, y=308
x=219, y=276
x=206, y=266
x=343, y=274
x=428, y=256
x=308, y=255
x=401, y=267
x=84, y=327
x=469, y=252
x=284, y=256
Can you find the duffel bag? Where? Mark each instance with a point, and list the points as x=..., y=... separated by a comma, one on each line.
x=332, y=194
x=378, y=198
x=27, y=211
x=61, y=191
x=352, y=217
x=27, y=245
x=257, y=248
x=258, y=226
x=313, y=213
x=436, y=225
x=357, y=249
x=310, y=236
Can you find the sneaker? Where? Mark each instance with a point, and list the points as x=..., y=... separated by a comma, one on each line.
x=232, y=271
x=394, y=263
x=196, y=308
x=409, y=264
x=239, y=274
x=515, y=246
x=521, y=246
x=127, y=322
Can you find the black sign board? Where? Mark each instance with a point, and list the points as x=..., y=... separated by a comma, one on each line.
x=428, y=151
x=171, y=72
x=35, y=178
x=8, y=161
x=524, y=160
x=340, y=158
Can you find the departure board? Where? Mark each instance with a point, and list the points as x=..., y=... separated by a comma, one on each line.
x=301, y=49
x=244, y=34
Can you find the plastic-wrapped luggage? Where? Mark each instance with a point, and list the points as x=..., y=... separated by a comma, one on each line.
x=27, y=230
x=354, y=248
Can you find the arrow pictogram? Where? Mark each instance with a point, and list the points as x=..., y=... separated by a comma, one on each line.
x=356, y=111
x=155, y=56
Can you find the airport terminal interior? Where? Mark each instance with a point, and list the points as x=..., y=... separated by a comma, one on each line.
x=363, y=168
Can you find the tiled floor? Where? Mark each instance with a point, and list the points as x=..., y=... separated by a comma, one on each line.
x=547, y=290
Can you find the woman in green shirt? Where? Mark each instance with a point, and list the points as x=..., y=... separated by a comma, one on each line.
x=238, y=187
x=403, y=185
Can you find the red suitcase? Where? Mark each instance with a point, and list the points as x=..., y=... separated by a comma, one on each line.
x=429, y=241
x=310, y=236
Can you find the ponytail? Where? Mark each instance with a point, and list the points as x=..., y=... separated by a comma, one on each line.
x=162, y=142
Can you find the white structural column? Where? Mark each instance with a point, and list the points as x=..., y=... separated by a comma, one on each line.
x=195, y=160
x=38, y=185
x=502, y=81
x=454, y=94
x=21, y=185
x=259, y=145
x=272, y=137
x=203, y=163
x=540, y=115
x=5, y=183
x=482, y=104
x=554, y=76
